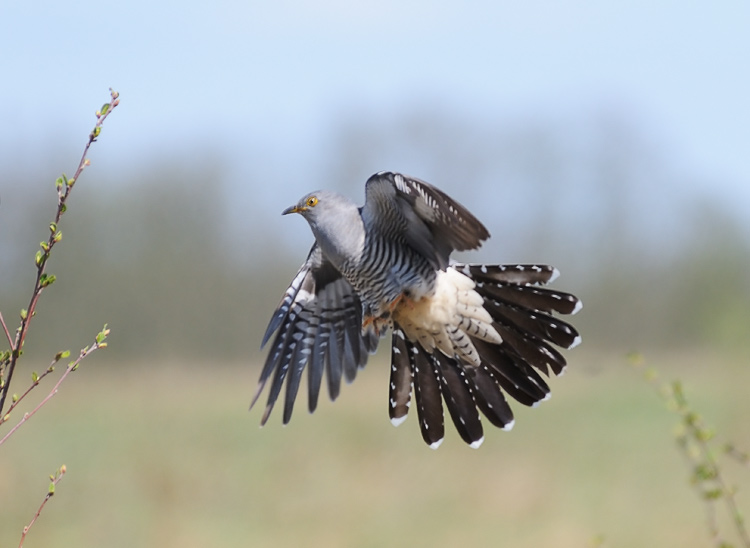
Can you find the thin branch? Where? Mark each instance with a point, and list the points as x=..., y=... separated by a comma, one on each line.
x=698, y=434
x=5, y=328
x=50, y=492
x=71, y=367
x=64, y=189
x=35, y=382
x=709, y=506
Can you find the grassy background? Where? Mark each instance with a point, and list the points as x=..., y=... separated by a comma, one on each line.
x=166, y=454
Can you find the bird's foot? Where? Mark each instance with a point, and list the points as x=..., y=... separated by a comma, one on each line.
x=402, y=299
x=379, y=324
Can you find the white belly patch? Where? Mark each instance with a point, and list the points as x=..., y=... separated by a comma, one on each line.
x=446, y=319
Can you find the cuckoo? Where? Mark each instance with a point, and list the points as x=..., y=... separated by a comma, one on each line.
x=462, y=334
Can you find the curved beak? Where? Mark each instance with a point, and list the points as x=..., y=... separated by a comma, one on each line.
x=293, y=209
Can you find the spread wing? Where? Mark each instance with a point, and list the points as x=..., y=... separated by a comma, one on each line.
x=318, y=326
x=431, y=221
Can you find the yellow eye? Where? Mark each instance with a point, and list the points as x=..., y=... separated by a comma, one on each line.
x=312, y=201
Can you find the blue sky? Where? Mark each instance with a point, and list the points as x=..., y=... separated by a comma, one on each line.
x=273, y=76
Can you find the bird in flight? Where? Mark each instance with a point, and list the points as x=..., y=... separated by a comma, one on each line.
x=463, y=334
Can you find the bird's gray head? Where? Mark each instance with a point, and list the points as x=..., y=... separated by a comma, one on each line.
x=336, y=223
x=317, y=205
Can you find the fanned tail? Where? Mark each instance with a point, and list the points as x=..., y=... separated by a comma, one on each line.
x=520, y=313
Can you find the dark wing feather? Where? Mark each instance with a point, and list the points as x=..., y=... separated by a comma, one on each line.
x=317, y=326
x=457, y=393
x=427, y=395
x=399, y=394
x=432, y=222
x=489, y=396
x=513, y=374
x=519, y=284
x=318, y=356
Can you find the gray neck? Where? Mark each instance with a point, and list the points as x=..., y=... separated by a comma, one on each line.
x=342, y=236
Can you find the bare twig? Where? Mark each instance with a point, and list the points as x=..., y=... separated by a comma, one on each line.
x=5, y=328
x=55, y=479
x=64, y=189
x=36, y=379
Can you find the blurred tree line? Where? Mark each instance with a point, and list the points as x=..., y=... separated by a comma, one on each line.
x=184, y=261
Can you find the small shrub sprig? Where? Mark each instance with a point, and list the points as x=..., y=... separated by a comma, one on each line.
x=54, y=480
x=64, y=186
x=697, y=443
x=9, y=358
x=100, y=342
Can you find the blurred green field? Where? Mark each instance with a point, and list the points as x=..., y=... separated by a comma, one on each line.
x=166, y=455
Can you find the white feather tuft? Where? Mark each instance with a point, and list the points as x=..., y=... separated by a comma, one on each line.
x=446, y=318
x=477, y=444
x=397, y=421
